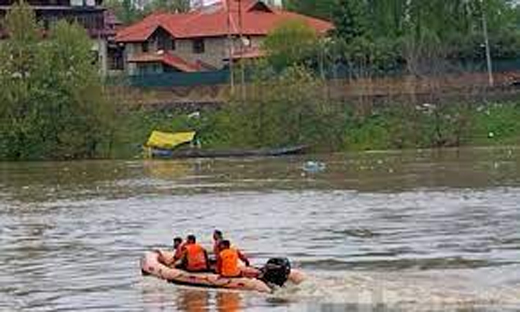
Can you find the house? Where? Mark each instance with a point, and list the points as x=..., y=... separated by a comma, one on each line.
x=88, y=13
x=203, y=39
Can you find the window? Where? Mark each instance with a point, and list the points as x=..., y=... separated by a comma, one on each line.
x=162, y=43
x=198, y=46
x=166, y=44
x=144, y=46
x=115, y=58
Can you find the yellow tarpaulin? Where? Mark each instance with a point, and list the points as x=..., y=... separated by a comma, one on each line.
x=166, y=140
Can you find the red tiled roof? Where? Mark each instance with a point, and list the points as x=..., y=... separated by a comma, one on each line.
x=165, y=58
x=212, y=22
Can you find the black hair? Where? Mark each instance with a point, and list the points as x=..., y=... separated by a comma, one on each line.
x=225, y=244
x=218, y=233
x=177, y=240
x=191, y=238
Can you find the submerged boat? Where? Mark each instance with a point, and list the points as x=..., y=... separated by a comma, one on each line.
x=202, y=153
x=175, y=145
x=271, y=277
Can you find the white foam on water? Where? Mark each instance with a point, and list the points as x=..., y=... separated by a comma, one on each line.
x=402, y=291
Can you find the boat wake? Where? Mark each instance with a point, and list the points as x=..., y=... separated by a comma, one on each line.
x=398, y=291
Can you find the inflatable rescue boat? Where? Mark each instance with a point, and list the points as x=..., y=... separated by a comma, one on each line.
x=275, y=273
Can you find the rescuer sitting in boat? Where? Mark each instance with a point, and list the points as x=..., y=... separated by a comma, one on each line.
x=227, y=260
x=218, y=237
x=178, y=247
x=194, y=257
x=166, y=258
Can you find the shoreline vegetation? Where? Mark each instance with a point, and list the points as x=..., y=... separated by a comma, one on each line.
x=54, y=105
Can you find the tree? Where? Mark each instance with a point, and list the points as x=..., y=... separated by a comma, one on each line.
x=79, y=113
x=351, y=19
x=318, y=8
x=20, y=59
x=173, y=6
x=125, y=10
x=283, y=109
x=293, y=42
x=50, y=91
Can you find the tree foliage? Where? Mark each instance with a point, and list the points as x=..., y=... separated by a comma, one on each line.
x=316, y=8
x=173, y=6
x=285, y=109
x=51, y=95
x=454, y=27
x=351, y=19
x=290, y=43
x=378, y=35
x=130, y=11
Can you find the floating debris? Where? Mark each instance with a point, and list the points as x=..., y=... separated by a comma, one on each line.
x=194, y=115
x=314, y=166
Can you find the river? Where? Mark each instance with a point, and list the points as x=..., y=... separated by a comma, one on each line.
x=421, y=230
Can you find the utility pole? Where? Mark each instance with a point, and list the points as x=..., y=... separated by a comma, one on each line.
x=241, y=51
x=486, y=42
x=230, y=48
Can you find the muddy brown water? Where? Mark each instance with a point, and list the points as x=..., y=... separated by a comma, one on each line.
x=381, y=231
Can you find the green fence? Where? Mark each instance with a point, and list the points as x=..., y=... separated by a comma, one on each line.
x=173, y=79
x=179, y=79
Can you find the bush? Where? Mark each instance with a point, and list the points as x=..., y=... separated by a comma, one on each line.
x=289, y=108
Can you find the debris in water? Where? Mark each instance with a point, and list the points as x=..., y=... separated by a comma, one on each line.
x=314, y=166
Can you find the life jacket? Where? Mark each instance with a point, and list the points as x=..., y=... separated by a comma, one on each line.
x=229, y=263
x=196, y=260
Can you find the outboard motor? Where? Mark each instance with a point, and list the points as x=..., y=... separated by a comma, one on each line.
x=276, y=272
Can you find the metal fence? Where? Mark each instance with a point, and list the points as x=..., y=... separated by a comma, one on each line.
x=340, y=71
x=172, y=79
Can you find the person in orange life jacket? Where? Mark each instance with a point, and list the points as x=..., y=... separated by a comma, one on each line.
x=227, y=261
x=167, y=259
x=194, y=257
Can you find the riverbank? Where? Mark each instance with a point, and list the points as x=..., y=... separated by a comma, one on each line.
x=297, y=108
x=343, y=128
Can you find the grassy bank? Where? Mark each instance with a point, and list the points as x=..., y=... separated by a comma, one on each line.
x=294, y=108
x=340, y=128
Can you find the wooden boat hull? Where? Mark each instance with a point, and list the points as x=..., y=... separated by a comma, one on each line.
x=201, y=153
